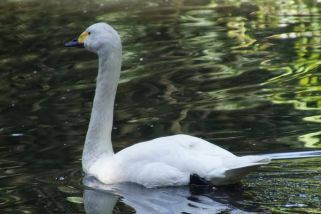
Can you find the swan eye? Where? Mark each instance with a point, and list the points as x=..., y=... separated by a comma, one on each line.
x=89, y=33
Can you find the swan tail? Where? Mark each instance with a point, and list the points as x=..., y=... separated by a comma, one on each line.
x=246, y=165
x=254, y=160
x=237, y=170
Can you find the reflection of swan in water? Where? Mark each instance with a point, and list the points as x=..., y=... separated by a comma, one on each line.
x=170, y=200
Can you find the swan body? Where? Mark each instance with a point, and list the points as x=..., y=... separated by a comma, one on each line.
x=169, y=161
x=164, y=161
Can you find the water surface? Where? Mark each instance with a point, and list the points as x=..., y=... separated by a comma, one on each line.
x=241, y=74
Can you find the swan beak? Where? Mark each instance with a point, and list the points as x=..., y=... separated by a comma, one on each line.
x=78, y=42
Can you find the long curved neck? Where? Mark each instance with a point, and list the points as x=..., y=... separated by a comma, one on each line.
x=98, y=138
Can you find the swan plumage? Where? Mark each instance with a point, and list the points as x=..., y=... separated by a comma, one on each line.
x=164, y=161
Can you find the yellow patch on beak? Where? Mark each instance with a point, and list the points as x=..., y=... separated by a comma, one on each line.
x=82, y=37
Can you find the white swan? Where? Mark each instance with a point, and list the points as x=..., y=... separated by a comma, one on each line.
x=165, y=161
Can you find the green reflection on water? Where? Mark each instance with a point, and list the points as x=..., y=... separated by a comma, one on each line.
x=243, y=74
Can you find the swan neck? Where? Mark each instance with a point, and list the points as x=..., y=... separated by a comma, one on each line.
x=98, y=139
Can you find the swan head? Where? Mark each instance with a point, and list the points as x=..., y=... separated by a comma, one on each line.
x=98, y=38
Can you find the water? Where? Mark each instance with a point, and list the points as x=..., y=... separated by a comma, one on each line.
x=242, y=74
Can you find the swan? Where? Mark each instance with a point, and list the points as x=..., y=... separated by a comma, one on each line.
x=165, y=161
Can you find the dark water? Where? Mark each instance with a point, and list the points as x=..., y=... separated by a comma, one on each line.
x=242, y=74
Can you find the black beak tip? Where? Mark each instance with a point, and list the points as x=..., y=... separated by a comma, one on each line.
x=70, y=44
x=73, y=43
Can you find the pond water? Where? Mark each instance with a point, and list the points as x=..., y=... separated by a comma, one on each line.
x=241, y=74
